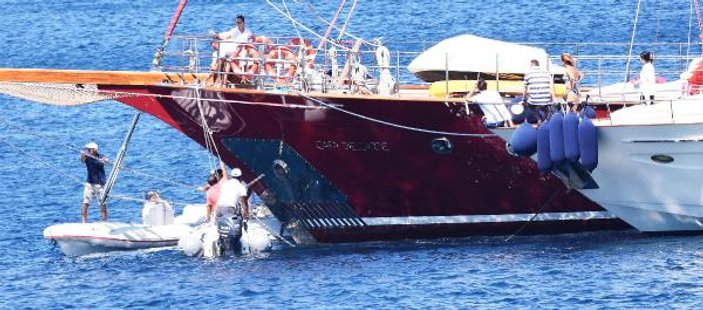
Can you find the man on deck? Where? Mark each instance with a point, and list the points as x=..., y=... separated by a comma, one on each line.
x=227, y=48
x=238, y=34
x=539, y=90
x=94, y=186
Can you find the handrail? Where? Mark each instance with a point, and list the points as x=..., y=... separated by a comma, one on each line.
x=599, y=61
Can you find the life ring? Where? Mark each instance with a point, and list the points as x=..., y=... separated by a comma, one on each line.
x=246, y=61
x=695, y=78
x=285, y=58
x=304, y=47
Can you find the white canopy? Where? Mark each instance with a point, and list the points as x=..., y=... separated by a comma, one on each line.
x=470, y=53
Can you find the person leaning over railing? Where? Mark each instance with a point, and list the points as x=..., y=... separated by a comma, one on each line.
x=227, y=48
x=539, y=90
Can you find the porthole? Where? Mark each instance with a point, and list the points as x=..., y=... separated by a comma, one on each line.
x=442, y=146
x=280, y=169
x=662, y=159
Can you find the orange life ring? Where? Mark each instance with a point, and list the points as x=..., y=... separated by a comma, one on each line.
x=310, y=52
x=284, y=57
x=695, y=81
x=246, y=61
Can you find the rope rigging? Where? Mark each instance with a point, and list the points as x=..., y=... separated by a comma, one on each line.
x=119, y=161
x=307, y=29
x=78, y=181
x=391, y=124
x=321, y=105
x=332, y=24
x=632, y=42
x=346, y=21
x=77, y=150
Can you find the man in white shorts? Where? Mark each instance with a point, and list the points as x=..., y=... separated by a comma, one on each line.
x=95, y=164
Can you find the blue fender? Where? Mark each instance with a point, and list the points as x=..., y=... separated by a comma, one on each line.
x=588, y=144
x=556, y=138
x=523, y=141
x=588, y=112
x=544, y=161
x=571, y=134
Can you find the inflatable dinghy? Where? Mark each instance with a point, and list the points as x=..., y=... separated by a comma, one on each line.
x=160, y=229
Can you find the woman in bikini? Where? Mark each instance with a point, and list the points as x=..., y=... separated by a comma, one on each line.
x=572, y=79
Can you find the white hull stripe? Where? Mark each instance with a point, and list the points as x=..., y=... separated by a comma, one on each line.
x=475, y=219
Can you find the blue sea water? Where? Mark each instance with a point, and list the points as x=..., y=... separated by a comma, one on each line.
x=41, y=174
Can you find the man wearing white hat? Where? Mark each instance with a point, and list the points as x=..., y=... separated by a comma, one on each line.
x=231, y=210
x=95, y=164
x=233, y=196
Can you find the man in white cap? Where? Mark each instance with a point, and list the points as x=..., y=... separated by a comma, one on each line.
x=233, y=197
x=95, y=164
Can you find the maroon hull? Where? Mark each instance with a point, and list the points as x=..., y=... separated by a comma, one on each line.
x=348, y=178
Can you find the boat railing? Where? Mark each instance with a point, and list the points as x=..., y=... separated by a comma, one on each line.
x=322, y=67
x=197, y=54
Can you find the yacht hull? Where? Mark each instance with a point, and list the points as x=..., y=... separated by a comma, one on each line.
x=346, y=168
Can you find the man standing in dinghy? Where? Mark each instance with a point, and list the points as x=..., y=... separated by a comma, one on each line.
x=231, y=211
x=94, y=186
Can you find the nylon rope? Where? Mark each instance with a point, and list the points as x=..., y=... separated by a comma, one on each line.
x=75, y=149
x=307, y=29
x=321, y=103
x=698, y=16
x=632, y=42
x=73, y=178
x=347, y=20
x=690, y=30
x=297, y=31
x=43, y=162
x=656, y=32
x=207, y=134
x=697, y=7
x=271, y=231
x=331, y=24
x=395, y=125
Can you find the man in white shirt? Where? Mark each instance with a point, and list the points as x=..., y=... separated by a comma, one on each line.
x=226, y=48
x=232, y=38
x=233, y=197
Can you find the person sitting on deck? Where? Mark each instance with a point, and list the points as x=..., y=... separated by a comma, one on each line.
x=491, y=102
x=94, y=186
x=226, y=49
x=539, y=90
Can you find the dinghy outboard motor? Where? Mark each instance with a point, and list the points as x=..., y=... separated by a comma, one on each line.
x=230, y=230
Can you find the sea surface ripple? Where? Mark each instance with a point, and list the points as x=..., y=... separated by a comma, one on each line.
x=40, y=184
